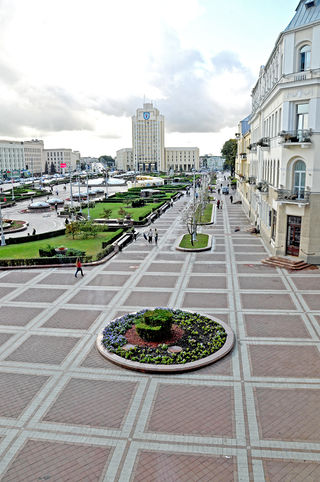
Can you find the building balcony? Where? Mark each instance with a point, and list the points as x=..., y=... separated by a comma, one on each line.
x=263, y=187
x=298, y=137
x=264, y=142
x=243, y=156
x=252, y=147
x=252, y=180
x=293, y=196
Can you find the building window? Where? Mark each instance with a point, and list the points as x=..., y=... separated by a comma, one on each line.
x=304, y=58
x=274, y=225
x=302, y=120
x=299, y=179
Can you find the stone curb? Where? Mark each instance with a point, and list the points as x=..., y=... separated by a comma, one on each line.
x=147, y=367
x=188, y=250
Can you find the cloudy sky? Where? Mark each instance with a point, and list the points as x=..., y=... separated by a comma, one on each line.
x=73, y=72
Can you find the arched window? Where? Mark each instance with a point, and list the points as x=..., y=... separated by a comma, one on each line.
x=304, y=58
x=299, y=179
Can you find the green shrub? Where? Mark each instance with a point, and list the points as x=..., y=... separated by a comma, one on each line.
x=155, y=325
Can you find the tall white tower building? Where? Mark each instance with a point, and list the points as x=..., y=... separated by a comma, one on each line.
x=148, y=139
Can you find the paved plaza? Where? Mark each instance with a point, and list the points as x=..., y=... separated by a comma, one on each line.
x=67, y=414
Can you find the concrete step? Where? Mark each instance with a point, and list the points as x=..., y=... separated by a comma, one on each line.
x=287, y=263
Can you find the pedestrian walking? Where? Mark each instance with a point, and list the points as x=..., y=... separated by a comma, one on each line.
x=231, y=199
x=219, y=190
x=56, y=206
x=34, y=232
x=145, y=236
x=150, y=236
x=221, y=204
x=218, y=204
x=156, y=235
x=79, y=268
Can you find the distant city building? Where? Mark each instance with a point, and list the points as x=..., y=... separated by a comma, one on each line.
x=277, y=166
x=181, y=158
x=213, y=163
x=12, y=160
x=56, y=157
x=148, y=139
x=33, y=155
x=87, y=162
x=148, y=153
x=124, y=159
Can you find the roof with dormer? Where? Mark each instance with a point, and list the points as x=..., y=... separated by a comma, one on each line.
x=307, y=12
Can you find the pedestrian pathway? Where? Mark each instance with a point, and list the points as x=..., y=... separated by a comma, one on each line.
x=68, y=414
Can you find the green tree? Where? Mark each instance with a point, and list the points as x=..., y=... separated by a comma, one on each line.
x=73, y=228
x=52, y=168
x=107, y=213
x=229, y=152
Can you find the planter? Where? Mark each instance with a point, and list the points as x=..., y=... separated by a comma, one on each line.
x=61, y=250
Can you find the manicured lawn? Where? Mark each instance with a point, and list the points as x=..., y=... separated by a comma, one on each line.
x=91, y=246
x=206, y=217
x=201, y=242
x=97, y=211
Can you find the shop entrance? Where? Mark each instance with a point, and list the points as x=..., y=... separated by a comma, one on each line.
x=293, y=235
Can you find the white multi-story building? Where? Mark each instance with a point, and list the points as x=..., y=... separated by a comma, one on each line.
x=148, y=153
x=56, y=157
x=214, y=163
x=148, y=139
x=283, y=157
x=12, y=159
x=124, y=159
x=181, y=158
x=33, y=155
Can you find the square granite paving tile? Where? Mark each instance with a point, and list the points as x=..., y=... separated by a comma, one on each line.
x=192, y=410
x=17, y=316
x=39, y=295
x=97, y=403
x=95, y=360
x=220, y=367
x=307, y=283
x=255, y=268
x=4, y=291
x=72, y=319
x=20, y=277
x=60, y=279
x=141, y=247
x=284, y=361
x=205, y=300
x=58, y=461
x=291, y=470
x=271, y=301
x=219, y=248
x=165, y=267
x=299, y=423
x=169, y=467
x=171, y=257
x=118, y=266
x=133, y=255
x=17, y=391
x=4, y=337
x=208, y=268
x=248, y=257
x=312, y=301
x=236, y=241
x=92, y=297
x=150, y=281
x=275, y=326
x=207, y=282
x=251, y=249
x=208, y=256
x=147, y=298
x=108, y=280
x=43, y=349
x=258, y=283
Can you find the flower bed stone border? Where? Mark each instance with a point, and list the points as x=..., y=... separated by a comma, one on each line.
x=173, y=368
x=207, y=248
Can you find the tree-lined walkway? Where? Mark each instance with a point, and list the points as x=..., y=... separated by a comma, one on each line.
x=68, y=414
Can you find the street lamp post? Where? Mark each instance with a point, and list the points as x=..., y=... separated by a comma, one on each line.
x=79, y=195
x=71, y=197
x=12, y=195
x=3, y=239
x=88, y=196
x=107, y=183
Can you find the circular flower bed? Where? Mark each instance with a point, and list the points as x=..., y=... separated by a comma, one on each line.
x=193, y=337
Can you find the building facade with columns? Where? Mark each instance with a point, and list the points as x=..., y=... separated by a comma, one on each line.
x=281, y=165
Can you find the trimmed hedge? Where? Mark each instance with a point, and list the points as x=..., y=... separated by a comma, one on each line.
x=35, y=237
x=155, y=325
x=44, y=261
